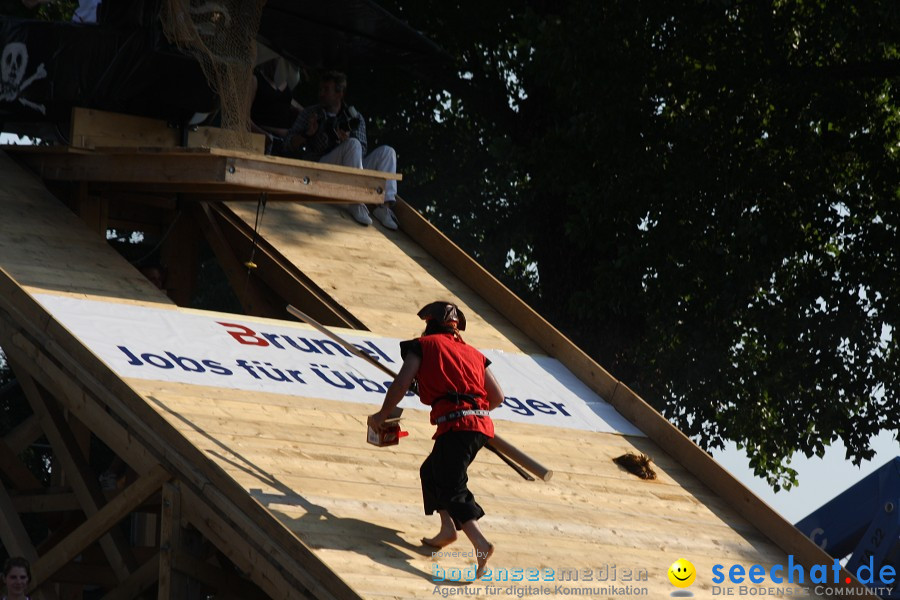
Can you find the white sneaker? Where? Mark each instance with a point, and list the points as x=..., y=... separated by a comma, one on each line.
x=387, y=217
x=360, y=213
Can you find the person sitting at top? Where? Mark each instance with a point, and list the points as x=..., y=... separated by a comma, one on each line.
x=274, y=109
x=335, y=133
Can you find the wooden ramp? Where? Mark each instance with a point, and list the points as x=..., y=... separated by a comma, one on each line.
x=244, y=495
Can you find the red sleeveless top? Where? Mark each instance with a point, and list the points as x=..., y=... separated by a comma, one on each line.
x=450, y=366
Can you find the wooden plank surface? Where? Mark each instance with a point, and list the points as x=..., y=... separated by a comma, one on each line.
x=359, y=506
x=93, y=128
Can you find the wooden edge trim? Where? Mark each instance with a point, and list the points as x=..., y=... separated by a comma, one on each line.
x=97, y=525
x=45, y=502
x=703, y=466
x=249, y=294
x=23, y=434
x=248, y=159
x=217, y=578
x=12, y=531
x=238, y=548
x=260, y=162
x=630, y=405
x=233, y=194
x=138, y=582
x=15, y=470
x=170, y=584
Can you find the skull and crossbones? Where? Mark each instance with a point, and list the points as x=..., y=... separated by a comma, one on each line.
x=13, y=63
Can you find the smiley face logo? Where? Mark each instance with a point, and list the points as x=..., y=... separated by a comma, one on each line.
x=682, y=573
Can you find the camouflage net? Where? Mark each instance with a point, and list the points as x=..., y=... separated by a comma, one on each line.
x=221, y=35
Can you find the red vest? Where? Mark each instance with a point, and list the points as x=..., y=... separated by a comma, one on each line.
x=451, y=365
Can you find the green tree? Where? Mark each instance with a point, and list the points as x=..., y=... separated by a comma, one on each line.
x=708, y=191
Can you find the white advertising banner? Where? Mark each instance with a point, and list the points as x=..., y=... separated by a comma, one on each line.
x=293, y=358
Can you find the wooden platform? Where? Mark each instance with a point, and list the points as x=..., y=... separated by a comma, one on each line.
x=208, y=172
x=286, y=487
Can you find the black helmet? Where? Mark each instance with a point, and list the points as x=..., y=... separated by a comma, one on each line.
x=443, y=312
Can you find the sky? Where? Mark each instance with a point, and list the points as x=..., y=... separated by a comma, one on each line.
x=821, y=479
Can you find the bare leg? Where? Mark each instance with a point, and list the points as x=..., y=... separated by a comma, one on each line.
x=447, y=534
x=483, y=548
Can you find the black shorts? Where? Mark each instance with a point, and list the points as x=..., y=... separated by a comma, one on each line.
x=445, y=478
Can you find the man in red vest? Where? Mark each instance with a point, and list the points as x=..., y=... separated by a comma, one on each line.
x=454, y=380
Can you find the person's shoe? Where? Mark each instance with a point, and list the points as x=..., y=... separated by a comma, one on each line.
x=360, y=213
x=387, y=217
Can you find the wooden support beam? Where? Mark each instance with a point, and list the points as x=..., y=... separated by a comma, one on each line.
x=218, y=531
x=78, y=572
x=245, y=285
x=93, y=210
x=131, y=167
x=205, y=192
x=282, y=276
x=130, y=210
x=84, y=482
x=89, y=410
x=143, y=578
x=12, y=531
x=80, y=434
x=97, y=129
x=17, y=472
x=92, y=128
x=226, y=584
x=356, y=185
x=123, y=201
x=150, y=229
x=98, y=524
x=209, y=171
x=23, y=435
x=181, y=257
x=45, y=501
x=232, y=194
x=172, y=584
